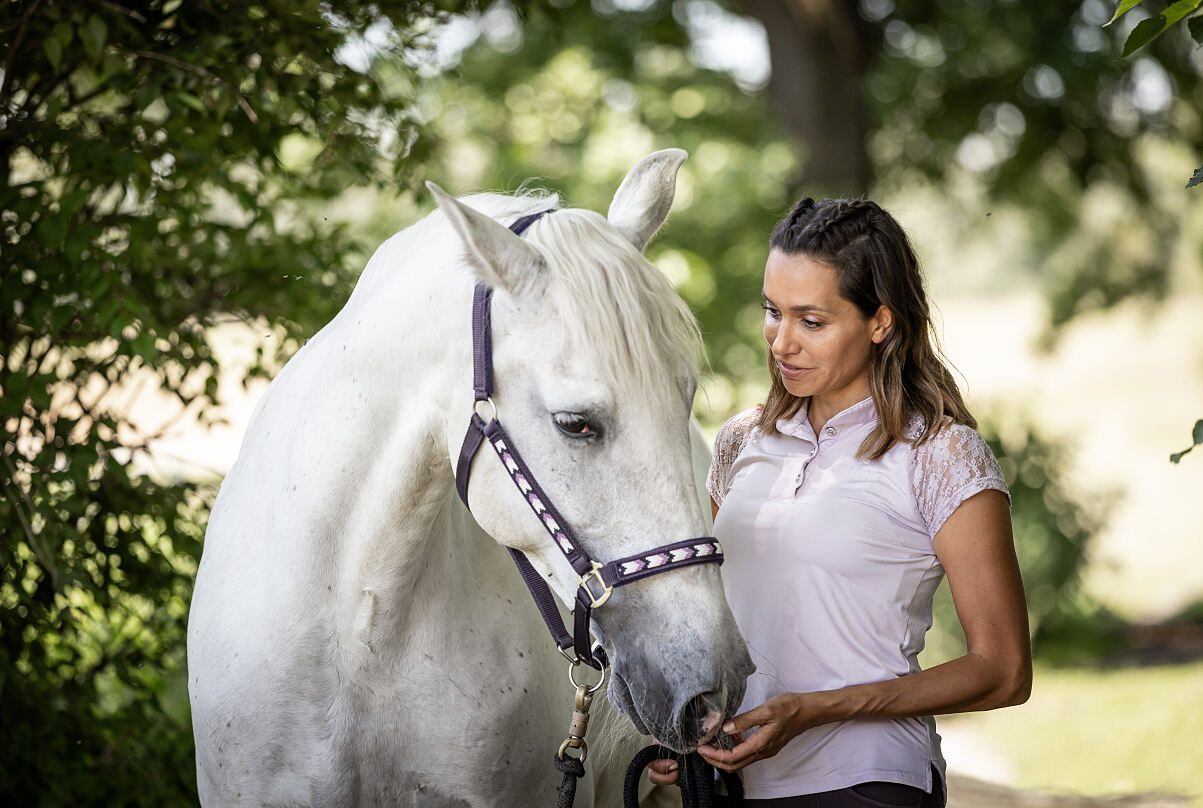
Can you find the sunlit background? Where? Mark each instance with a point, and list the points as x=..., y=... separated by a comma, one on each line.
x=1039, y=172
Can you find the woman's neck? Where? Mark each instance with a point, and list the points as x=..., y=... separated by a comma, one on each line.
x=822, y=408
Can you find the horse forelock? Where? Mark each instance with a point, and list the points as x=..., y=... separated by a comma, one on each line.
x=621, y=308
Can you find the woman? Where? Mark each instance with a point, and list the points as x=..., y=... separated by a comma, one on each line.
x=841, y=503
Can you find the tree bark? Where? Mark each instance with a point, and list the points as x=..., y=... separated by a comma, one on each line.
x=818, y=51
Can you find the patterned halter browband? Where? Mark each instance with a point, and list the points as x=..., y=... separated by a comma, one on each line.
x=595, y=581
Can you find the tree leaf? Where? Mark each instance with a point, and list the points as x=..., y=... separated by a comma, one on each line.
x=93, y=34
x=54, y=51
x=1196, y=178
x=1148, y=30
x=1196, y=435
x=1123, y=8
x=62, y=32
x=192, y=101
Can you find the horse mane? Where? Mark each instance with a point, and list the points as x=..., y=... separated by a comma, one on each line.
x=624, y=313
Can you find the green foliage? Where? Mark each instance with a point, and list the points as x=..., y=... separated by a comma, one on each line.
x=1029, y=99
x=1053, y=530
x=1149, y=29
x=1123, y=8
x=162, y=165
x=1196, y=435
x=572, y=101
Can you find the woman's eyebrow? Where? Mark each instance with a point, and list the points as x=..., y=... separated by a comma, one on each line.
x=801, y=309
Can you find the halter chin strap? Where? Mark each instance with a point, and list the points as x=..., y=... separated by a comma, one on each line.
x=595, y=581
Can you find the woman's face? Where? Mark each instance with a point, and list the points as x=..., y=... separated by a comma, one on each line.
x=821, y=342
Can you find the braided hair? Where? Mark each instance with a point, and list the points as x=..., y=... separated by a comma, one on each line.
x=875, y=266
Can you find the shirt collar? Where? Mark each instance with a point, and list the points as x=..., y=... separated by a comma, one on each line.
x=862, y=412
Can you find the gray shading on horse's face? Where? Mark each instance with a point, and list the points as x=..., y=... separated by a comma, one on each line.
x=356, y=635
x=595, y=361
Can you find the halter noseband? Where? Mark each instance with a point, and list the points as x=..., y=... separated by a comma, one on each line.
x=595, y=581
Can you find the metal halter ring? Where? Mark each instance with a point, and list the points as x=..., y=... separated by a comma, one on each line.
x=592, y=688
x=573, y=743
x=488, y=401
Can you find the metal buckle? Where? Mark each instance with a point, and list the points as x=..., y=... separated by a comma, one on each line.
x=595, y=574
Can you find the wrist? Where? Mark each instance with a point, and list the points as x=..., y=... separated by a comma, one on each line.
x=824, y=706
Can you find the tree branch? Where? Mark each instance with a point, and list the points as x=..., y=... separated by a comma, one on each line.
x=6, y=86
x=200, y=71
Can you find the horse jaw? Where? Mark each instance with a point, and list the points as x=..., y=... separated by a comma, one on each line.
x=642, y=201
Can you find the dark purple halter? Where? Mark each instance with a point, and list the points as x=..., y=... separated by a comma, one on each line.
x=596, y=581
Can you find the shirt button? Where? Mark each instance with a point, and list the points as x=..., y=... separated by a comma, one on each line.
x=831, y=432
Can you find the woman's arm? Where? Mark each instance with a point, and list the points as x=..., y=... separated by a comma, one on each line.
x=977, y=551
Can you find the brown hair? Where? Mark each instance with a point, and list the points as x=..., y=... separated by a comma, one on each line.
x=875, y=266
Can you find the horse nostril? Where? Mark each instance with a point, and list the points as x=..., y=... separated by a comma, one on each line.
x=702, y=715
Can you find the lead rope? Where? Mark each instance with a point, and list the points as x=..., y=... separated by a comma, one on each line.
x=696, y=778
x=573, y=768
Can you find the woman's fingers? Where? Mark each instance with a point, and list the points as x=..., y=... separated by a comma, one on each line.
x=740, y=755
x=663, y=772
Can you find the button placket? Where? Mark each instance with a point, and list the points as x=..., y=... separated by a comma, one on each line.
x=803, y=462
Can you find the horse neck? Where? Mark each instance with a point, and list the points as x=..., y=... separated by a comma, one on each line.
x=404, y=482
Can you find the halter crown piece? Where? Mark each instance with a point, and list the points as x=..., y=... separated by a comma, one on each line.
x=595, y=581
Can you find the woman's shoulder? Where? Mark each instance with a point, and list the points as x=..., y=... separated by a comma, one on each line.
x=950, y=442
x=734, y=435
x=950, y=465
x=737, y=432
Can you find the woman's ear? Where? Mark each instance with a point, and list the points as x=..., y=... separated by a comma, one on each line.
x=883, y=323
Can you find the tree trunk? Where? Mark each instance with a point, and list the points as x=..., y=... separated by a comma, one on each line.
x=818, y=51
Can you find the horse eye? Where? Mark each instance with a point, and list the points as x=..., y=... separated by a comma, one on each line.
x=575, y=425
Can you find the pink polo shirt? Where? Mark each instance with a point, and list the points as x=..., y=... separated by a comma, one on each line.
x=830, y=573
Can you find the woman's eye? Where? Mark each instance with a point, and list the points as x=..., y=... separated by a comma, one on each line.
x=771, y=311
x=575, y=425
x=811, y=324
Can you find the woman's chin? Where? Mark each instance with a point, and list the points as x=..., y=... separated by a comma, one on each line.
x=798, y=388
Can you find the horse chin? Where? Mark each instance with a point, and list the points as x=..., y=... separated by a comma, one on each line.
x=620, y=697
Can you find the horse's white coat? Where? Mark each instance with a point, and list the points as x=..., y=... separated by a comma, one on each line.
x=355, y=636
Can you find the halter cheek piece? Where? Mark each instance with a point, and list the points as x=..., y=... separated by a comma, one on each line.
x=595, y=581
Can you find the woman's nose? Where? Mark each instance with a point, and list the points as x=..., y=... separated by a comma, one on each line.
x=782, y=341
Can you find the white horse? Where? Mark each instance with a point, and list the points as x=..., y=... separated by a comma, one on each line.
x=356, y=635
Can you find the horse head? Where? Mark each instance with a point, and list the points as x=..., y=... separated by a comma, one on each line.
x=595, y=366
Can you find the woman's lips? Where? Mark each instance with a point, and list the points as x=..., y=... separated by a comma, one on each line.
x=791, y=372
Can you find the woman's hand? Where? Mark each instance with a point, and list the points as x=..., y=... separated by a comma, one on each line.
x=662, y=772
x=779, y=720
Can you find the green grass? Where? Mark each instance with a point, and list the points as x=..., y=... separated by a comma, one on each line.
x=1103, y=732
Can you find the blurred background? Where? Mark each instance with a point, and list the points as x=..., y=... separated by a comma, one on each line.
x=188, y=190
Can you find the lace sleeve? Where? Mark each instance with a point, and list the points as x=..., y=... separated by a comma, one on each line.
x=729, y=442
x=950, y=468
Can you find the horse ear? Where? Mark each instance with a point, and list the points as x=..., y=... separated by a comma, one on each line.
x=498, y=256
x=641, y=203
